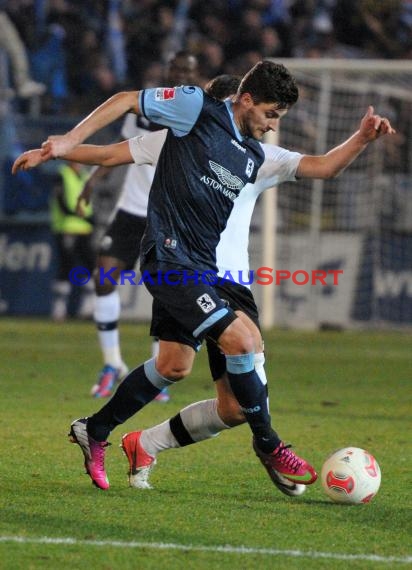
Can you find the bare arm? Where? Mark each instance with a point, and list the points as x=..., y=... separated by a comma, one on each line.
x=115, y=155
x=108, y=155
x=109, y=111
x=337, y=159
x=103, y=155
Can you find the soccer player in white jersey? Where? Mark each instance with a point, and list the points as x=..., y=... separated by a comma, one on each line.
x=120, y=245
x=204, y=419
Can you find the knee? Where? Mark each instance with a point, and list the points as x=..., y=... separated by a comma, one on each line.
x=174, y=371
x=237, y=342
x=102, y=288
x=245, y=345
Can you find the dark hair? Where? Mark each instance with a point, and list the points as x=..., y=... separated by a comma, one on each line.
x=223, y=86
x=270, y=82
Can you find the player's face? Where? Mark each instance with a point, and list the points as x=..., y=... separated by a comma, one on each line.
x=260, y=118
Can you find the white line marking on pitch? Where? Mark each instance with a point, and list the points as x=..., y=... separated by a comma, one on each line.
x=226, y=549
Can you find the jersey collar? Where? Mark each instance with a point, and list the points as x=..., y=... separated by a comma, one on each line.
x=229, y=108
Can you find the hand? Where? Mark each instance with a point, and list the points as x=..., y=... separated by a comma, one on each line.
x=27, y=160
x=83, y=200
x=57, y=145
x=374, y=126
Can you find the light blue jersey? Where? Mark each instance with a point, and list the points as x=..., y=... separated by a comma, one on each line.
x=203, y=166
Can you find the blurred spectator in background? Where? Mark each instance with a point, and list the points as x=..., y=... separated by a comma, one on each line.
x=48, y=60
x=381, y=28
x=211, y=58
x=74, y=243
x=86, y=50
x=15, y=49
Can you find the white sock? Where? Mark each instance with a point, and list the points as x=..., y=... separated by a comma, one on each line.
x=155, y=347
x=107, y=312
x=200, y=419
x=158, y=438
x=260, y=369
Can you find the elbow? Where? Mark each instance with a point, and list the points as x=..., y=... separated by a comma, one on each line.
x=330, y=166
x=129, y=100
x=330, y=173
x=334, y=174
x=111, y=161
x=108, y=163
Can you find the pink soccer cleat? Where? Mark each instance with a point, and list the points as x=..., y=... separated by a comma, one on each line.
x=93, y=452
x=284, y=465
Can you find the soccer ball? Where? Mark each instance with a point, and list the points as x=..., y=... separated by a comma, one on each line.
x=351, y=475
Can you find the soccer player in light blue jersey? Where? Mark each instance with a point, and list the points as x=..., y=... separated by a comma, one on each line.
x=208, y=157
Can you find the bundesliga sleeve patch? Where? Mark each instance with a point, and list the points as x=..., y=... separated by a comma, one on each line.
x=165, y=93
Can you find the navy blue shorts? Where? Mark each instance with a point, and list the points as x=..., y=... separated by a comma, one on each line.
x=184, y=309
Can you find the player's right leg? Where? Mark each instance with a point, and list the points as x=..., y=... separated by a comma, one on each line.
x=146, y=381
x=137, y=389
x=93, y=452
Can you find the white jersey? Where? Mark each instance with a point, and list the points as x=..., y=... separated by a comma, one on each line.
x=232, y=255
x=138, y=180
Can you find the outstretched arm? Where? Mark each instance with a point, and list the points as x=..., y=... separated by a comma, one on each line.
x=337, y=159
x=106, y=113
x=107, y=155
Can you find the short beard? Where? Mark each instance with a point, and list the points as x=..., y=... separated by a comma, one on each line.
x=245, y=130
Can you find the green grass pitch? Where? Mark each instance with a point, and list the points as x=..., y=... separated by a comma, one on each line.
x=327, y=390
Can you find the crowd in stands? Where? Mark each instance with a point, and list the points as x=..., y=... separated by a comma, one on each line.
x=83, y=51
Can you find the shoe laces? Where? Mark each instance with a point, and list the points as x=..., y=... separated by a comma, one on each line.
x=288, y=458
x=99, y=450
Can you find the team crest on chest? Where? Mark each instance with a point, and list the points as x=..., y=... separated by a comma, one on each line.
x=225, y=177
